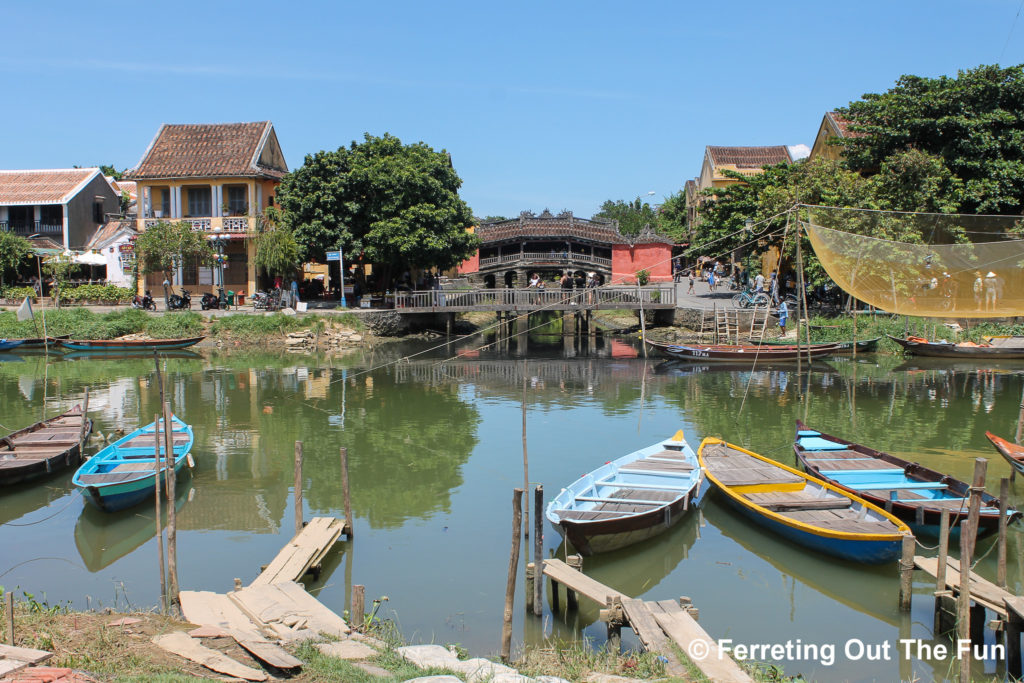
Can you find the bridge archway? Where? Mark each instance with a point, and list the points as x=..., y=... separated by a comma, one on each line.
x=489, y=280
x=511, y=279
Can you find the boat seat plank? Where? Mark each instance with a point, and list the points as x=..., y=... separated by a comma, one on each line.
x=898, y=486
x=588, y=515
x=635, y=485
x=655, y=466
x=800, y=503
x=847, y=465
x=631, y=501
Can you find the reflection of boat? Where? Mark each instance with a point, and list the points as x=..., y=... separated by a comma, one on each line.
x=122, y=474
x=716, y=353
x=42, y=448
x=7, y=344
x=863, y=345
x=138, y=353
x=103, y=538
x=805, y=510
x=689, y=368
x=913, y=492
x=1010, y=347
x=119, y=345
x=966, y=365
x=1013, y=453
x=11, y=358
x=629, y=499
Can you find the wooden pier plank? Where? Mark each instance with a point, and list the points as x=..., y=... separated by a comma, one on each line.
x=717, y=666
x=287, y=604
x=581, y=583
x=983, y=591
x=205, y=608
x=183, y=645
x=305, y=550
x=649, y=633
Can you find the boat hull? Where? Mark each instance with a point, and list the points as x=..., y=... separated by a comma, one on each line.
x=863, y=345
x=120, y=345
x=749, y=353
x=7, y=344
x=115, y=497
x=590, y=539
x=1012, y=453
x=950, y=350
x=12, y=472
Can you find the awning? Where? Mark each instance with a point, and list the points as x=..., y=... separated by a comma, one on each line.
x=90, y=259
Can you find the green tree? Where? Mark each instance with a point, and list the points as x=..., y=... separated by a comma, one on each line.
x=14, y=250
x=164, y=246
x=917, y=181
x=381, y=202
x=672, y=217
x=108, y=169
x=277, y=252
x=632, y=216
x=974, y=123
x=59, y=268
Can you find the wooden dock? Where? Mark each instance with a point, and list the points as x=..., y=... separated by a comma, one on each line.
x=982, y=591
x=658, y=625
x=305, y=552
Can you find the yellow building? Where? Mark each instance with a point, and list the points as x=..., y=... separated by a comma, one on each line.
x=747, y=161
x=833, y=126
x=218, y=177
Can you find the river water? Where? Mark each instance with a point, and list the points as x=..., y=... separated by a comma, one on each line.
x=435, y=451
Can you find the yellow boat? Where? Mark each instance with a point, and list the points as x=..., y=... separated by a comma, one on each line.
x=799, y=507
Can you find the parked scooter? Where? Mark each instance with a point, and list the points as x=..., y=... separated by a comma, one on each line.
x=145, y=303
x=209, y=301
x=177, y=303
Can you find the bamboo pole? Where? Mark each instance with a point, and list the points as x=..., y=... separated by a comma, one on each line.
x=172, y=523
x=526, y=459
x=159, y=521
x=803, y=299
x=1004, y=494
x=538, y=551
x=643, y=323
x=1020, y=420
x=10, y=617
x=510, y=586
x=298, y=487
x=967, y=538
x=358, y=616
x=160, y=386
x=940, y=573
x=83, y=434
x=345, y=492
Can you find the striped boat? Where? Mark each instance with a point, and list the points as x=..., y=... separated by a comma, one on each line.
x=123, y=474
x=803, y=509
x=629, y=499
x=121, y=345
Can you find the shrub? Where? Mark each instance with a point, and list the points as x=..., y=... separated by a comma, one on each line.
x=17, y=293
x=643, y=277
x=104, y=293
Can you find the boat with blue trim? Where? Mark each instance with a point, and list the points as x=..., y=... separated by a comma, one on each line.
x=628, y=500
x=8, y=344
x=122, y=345
x=808, y=511
x=1013, y=453
x=123, y=474
x=912, y=492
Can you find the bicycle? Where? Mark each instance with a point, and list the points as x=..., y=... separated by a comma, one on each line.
x=749, y=299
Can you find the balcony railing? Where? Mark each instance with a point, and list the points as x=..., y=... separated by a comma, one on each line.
x=35, y=227
x=546, y=257
x=241, y=224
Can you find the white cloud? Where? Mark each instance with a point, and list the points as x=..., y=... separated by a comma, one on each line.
x=800, y=151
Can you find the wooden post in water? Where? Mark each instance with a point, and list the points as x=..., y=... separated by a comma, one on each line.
x=1004, y=494
x=907, y=572
x=510, y=585
x=159, y=522
x=967, y=537
x=10, y=617
x=358, y=615
x=531, y=580
x=298, y=487
x=942, y=594
x=172, y=522
x=643, y=323
x=571, y=599
x=538, y=550
x=345, y=493
x=526, y=459
x=84, y=433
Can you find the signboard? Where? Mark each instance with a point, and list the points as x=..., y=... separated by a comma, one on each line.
x=333, y=256
x=126, y=248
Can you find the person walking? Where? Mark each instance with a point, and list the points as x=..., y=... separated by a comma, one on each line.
x=991, y=291
x=690, y=290
x=783, y=316
x=759, y=283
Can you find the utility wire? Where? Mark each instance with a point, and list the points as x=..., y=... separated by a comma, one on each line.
x=1010, y=34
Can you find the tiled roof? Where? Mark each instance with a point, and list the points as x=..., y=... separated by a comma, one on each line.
x=129, y=186
x=207, y=150
x=50, y=186
x=109, y=232
x=749, y=157
x=562, y=226
x=841, y=125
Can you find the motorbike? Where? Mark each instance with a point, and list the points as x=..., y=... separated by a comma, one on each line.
x=144, y=303
x=209, y=301
x=270, y=301
x=177, y=303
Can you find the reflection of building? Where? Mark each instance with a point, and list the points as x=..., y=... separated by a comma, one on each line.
x=217, y=177
x=547, y=244
x=66, y=205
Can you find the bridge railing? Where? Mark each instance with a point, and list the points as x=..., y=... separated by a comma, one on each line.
x=546, y=256
x=531, y=297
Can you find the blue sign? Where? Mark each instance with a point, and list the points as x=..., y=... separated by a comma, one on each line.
x=334, y=256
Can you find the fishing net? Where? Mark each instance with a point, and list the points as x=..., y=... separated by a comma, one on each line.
x=929, y=265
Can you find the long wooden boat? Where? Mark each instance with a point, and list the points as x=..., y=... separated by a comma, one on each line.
x=7, y=344
x=912, y=492
x=39, y=342
x=629, y=499
x=120, y=345
x=730, y=353
x=863, y=345
x=1013, y=453
x=803, y=509
x=44, y=447
x=122, y=474
x=1008, y=348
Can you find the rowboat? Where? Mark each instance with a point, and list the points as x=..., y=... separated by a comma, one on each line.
x=997, y=348
x=629, y=499
x=7, y=344
x=121, y=345
x=44, y=447
x=803, y=509
x=122, y=474
x=912, y=492
x=725, y=353
x=39, y=342
x=863, y=345
x=1012, y=452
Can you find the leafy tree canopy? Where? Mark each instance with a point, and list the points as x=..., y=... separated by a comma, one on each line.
x=108, y=169
x=13, y=251
x=277, y=252
x=381, y=202
x=632, y=216
x=971, y=126
x=164, y=244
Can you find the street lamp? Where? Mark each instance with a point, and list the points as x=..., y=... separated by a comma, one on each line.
x=218, y=244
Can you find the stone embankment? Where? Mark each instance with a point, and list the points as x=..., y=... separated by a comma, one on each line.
x=330, y=339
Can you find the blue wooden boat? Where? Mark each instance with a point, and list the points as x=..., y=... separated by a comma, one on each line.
x=123, y=474
x=629, y=499
x=7, y=344
x=122, y=345
x=912, y=492
x=808, y=511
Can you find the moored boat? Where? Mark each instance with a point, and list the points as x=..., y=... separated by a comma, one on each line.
x=726, y=353
x=1013, y=453
x=998, y=348
x=863, y=345
x=121, y=345
x=629, y=499
x=40, y=342
x=808, y=511
x=44, y=447
x=912, y=492
x=7, y=344
x=123, y=474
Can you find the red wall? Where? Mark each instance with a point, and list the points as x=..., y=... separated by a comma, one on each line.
x=627, y=260
x=470, y=265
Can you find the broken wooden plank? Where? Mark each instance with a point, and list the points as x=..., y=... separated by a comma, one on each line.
x=205, y=608
x=25, y=654
x=287, y=604
x=649, y=633
x=581, y=583
x=181, y=644
x=305, y=550
x=718, y=666
x=268, y=652
x=983, y=591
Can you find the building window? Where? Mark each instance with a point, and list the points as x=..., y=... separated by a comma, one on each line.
x=199, y=203
x=97, y=210
x=237, y=200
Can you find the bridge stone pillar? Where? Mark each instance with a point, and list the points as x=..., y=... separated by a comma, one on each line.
x=522, y=336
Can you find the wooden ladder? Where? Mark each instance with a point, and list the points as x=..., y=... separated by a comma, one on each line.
x=707, y=325
x=757, y=332
x=727, y=325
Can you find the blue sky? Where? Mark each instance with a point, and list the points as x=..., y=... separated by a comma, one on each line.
x=559, y=105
